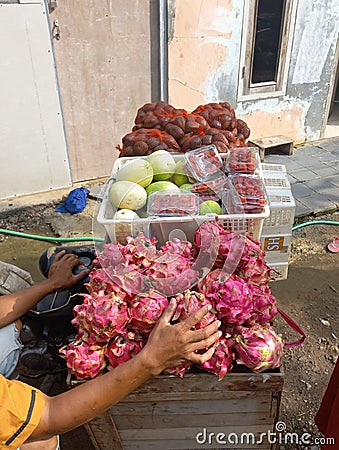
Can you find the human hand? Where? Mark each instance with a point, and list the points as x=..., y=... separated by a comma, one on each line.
x=61, y=271
x=172, y=345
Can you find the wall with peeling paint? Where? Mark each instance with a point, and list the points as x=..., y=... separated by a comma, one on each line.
x=204, y=54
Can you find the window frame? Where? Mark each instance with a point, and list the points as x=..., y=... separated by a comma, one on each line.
x=248, y=91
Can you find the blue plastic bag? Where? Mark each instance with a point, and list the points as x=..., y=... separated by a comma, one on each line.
x=75, y=202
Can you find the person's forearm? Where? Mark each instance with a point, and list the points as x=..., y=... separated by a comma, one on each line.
x=168, y=345
x=13, y=306
x=93, y=397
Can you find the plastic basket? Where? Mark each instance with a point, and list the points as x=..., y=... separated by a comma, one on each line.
x=267, y=167
x=276, y=246
x=280, y=270
x=275, y=180
x=282, y=211
x=167, y=228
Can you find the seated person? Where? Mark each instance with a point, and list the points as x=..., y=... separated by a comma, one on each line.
x=13, y=306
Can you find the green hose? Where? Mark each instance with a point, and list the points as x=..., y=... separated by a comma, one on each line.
x=314, y=222
x=50, y=238
x=97, y=239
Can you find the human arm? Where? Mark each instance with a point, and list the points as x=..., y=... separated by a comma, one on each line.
x=13, y=306
x=167, y=346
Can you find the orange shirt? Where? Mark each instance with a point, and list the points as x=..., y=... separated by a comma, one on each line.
x=21, y=407
x=327, y=417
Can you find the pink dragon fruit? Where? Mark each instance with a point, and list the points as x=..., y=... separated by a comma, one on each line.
x=179, y=370
x=259, y=348
x=101, y=280
x=190, y=302
x=232, y=296
x=123, y=347
x=171, y=273
x=183, y=248
x=83, y=360
x=252, y=248
x=254, y=270
x=140, y=251
x=100, y=317
x=207, y=241
x=264, y=305
x=110, y=256
x=222, y=360
x=231, y=248
x=129, y=279
x=145, y=310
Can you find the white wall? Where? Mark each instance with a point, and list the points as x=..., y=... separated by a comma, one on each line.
x=205, y=57
x=33, y=151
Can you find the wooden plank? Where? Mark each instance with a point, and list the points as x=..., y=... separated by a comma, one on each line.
x=191, y=395
x=182, y=445
x=260, y=418
x=248, y=435
x=103, y=433
x=203, y=382
x=259, y=403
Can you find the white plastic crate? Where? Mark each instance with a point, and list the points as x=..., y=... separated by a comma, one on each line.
x=267, y=167
x=276, y=180
x=166, y=228
x=277, y=247
x=280, y=270
x=282, y=211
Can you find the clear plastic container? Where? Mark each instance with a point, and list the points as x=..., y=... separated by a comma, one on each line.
x=242, y=160
x=249, y=193
x=213, y=187
x=204, y=163
x=172, y=204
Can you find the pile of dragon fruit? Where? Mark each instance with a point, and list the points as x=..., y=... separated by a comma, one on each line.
x=132, y=284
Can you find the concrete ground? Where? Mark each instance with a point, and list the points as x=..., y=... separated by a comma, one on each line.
x=313, y=172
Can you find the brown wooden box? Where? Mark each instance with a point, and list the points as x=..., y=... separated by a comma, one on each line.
x=168, y=413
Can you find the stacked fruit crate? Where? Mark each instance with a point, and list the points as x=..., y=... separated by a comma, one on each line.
x=277, y=228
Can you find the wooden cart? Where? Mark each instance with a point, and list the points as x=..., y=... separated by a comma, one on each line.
x=196, y=412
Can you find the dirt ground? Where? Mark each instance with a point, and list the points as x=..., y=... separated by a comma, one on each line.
x=309, y=295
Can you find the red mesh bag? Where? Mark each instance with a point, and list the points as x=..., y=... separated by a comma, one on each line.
x=222, y=139
x=155, y=115
x=218, y=115
x=208, y=137
x=182, y=125
x=146, y=141
x=243, y=132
